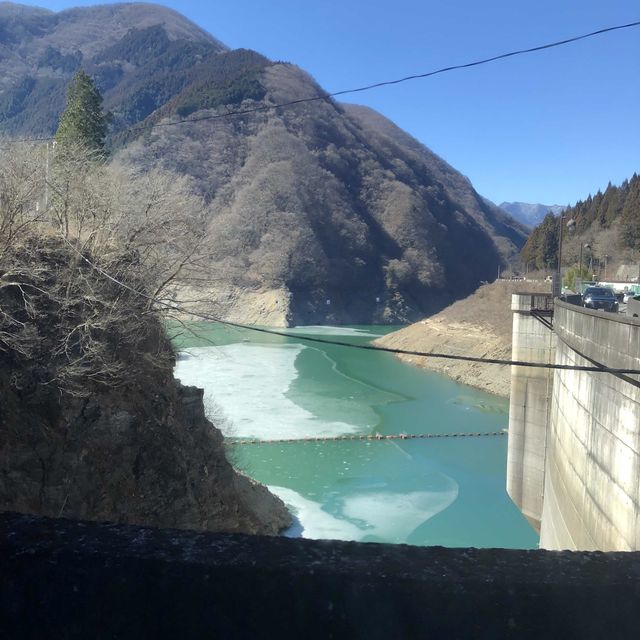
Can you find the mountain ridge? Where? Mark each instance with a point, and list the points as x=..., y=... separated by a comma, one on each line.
x=530, y=214
x=328, y=212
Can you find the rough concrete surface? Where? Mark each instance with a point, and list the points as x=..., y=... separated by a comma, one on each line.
x=66, y=579
x=529, y=406
x=592, y=479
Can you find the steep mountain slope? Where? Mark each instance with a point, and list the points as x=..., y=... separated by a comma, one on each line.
x=530, y=214
x=319, y=212
x=134, y=51
x=332, y=208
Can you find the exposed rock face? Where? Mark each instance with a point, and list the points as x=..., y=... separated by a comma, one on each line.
x=144, y=456
x=133, y=446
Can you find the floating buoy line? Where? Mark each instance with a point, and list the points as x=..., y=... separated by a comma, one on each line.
x=375, y=437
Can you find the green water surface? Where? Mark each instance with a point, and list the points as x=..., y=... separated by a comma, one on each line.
x=448, y=491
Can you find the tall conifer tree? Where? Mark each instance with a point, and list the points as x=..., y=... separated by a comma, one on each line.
x=83, y=122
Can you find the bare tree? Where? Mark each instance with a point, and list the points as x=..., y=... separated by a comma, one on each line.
x=22, y=179
x=111, y=245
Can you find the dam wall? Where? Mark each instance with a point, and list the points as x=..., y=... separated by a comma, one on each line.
x=592, y=479
x=590, y=445
x=529, y=404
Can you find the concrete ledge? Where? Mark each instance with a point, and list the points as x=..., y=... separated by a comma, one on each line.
x=598, y=313
x=66, y=579
x=525, y=302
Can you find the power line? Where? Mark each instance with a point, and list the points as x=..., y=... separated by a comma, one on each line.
x=339, y=343
x=385, y=83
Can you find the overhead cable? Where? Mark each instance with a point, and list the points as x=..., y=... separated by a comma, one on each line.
x=376, y=85
x=367, y=347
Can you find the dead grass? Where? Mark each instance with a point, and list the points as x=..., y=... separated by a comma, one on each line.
x=490, y=306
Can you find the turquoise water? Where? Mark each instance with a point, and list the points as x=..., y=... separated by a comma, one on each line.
x=448, y=491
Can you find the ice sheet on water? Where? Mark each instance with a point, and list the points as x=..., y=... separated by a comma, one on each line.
x=249, y=383
x=394, y=516
x=332, y=331
x=316, y=523
x=385, y=515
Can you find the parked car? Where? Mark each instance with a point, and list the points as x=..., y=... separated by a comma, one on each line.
x=600, y=298
x=627, y=295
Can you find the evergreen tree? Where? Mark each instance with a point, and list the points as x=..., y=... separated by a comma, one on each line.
x=618, y=208
x=630, y=216
x=83, y=123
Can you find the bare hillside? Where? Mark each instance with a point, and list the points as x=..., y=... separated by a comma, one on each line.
x=479, y=325
x=318, y=213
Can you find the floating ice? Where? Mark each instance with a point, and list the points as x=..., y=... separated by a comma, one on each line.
x=394, y=516
x=384, y=515
x=249, y=383
x=316, y=523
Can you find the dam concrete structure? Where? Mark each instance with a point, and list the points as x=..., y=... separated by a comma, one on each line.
x=532, y=341
x=574, y=436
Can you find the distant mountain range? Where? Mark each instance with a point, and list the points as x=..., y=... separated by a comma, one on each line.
x=318, y=213
x=530, y=214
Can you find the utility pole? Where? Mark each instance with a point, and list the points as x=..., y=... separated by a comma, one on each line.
x=586, y=246
x=46, y=180
x=557, y=283
x=50, y=150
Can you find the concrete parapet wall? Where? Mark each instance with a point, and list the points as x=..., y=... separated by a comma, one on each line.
x=592, y=479
x=65, y=579
x=529, y=405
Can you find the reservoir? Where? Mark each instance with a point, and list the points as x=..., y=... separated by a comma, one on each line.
x=437, y=491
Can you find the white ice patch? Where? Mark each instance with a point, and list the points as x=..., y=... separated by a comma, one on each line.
x=313, y=330
x=388, y=516
x=394, y=516
x=316, y=523
x=249, y=383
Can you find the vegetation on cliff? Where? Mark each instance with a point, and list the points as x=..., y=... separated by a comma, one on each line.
x=92, y=423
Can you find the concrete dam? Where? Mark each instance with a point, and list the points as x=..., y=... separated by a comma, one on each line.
x=573, y=465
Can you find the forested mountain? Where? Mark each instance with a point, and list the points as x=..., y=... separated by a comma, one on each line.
x=139, y=54
x=318, y=212
x=530, y=214
x=609, y=223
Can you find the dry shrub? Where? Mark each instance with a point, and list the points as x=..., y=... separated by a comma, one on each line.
x=64, y=322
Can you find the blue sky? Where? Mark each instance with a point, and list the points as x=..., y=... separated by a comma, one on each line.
x=548, y=127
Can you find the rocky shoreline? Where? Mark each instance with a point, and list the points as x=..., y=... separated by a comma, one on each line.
x=478, y=326
x=438, y=336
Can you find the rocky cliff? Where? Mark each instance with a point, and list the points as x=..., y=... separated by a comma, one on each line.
x=92, y=423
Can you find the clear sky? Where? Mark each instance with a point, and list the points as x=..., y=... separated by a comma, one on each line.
x=548, y=127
